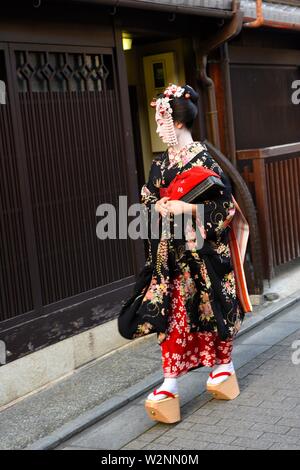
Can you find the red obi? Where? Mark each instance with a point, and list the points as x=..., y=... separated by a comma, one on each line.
x=191, y=183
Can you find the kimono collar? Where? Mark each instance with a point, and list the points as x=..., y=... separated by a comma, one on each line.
x=182, y=157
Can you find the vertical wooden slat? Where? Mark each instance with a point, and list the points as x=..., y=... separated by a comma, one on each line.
x=277, y=197
x=287, y=190
x=296, y=185
x=263, y=213
x=295, y=205
x=274, y=219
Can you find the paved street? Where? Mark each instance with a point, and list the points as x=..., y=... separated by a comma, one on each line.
x=265, y=416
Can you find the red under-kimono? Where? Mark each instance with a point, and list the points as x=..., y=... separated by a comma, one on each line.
x=182, y=350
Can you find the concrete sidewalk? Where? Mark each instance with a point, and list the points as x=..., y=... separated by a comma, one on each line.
x=55, y=414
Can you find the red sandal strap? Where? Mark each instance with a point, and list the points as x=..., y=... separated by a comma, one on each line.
x=164, y=392
x=220, y=374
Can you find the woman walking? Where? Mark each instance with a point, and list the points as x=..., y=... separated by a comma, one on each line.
x=191, y=300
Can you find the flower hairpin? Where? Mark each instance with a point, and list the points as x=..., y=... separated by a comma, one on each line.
x=171, y=92
x=174, y=90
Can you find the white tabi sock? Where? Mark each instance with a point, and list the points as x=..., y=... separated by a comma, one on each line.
x=221, y=368
x=170, y=385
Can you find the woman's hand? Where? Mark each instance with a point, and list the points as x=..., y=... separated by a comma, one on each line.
x=161, y=206
x=180, y=207
x=165, y=207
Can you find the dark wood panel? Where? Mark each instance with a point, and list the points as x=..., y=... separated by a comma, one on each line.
x=263, y=56
x=35, y=333
x=68, y=133
x=73, y=149
x=56, y=24
x=264, y=114
x=267, y=38
x=15, y=286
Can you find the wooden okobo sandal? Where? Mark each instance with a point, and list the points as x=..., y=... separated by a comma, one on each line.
x=226, y=390
x=166, y=410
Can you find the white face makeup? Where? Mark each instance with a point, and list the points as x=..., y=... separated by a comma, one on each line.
x=160, y=123
x=163, y=115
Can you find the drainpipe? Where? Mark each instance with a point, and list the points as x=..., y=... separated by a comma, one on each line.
x=202, y=50
x=211, y=112
x=229, y=121
x=261, y=21
x=279, y=25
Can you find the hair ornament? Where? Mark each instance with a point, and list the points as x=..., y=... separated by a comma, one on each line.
x=164, y=112
x=174, y=90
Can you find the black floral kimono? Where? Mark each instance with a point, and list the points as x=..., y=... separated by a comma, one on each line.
x=207, y=275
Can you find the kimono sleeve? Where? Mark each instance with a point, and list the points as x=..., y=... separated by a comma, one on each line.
x=219, y=211
x=150, y=190
x=149, y=196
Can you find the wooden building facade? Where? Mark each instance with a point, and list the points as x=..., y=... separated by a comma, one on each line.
x=74, y=134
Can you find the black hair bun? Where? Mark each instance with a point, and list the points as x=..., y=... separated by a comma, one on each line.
x=185, y=107
x=193, y=95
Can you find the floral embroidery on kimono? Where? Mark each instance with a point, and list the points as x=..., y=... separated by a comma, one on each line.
x=206, y=276
x=182, y=350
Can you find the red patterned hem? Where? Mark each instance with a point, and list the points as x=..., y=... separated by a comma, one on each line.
x=184, y=372
x=183, y=351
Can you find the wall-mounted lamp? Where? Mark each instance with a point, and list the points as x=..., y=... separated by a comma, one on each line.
x=127, y=41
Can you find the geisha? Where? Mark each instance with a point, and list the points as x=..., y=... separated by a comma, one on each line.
x=191, y=301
